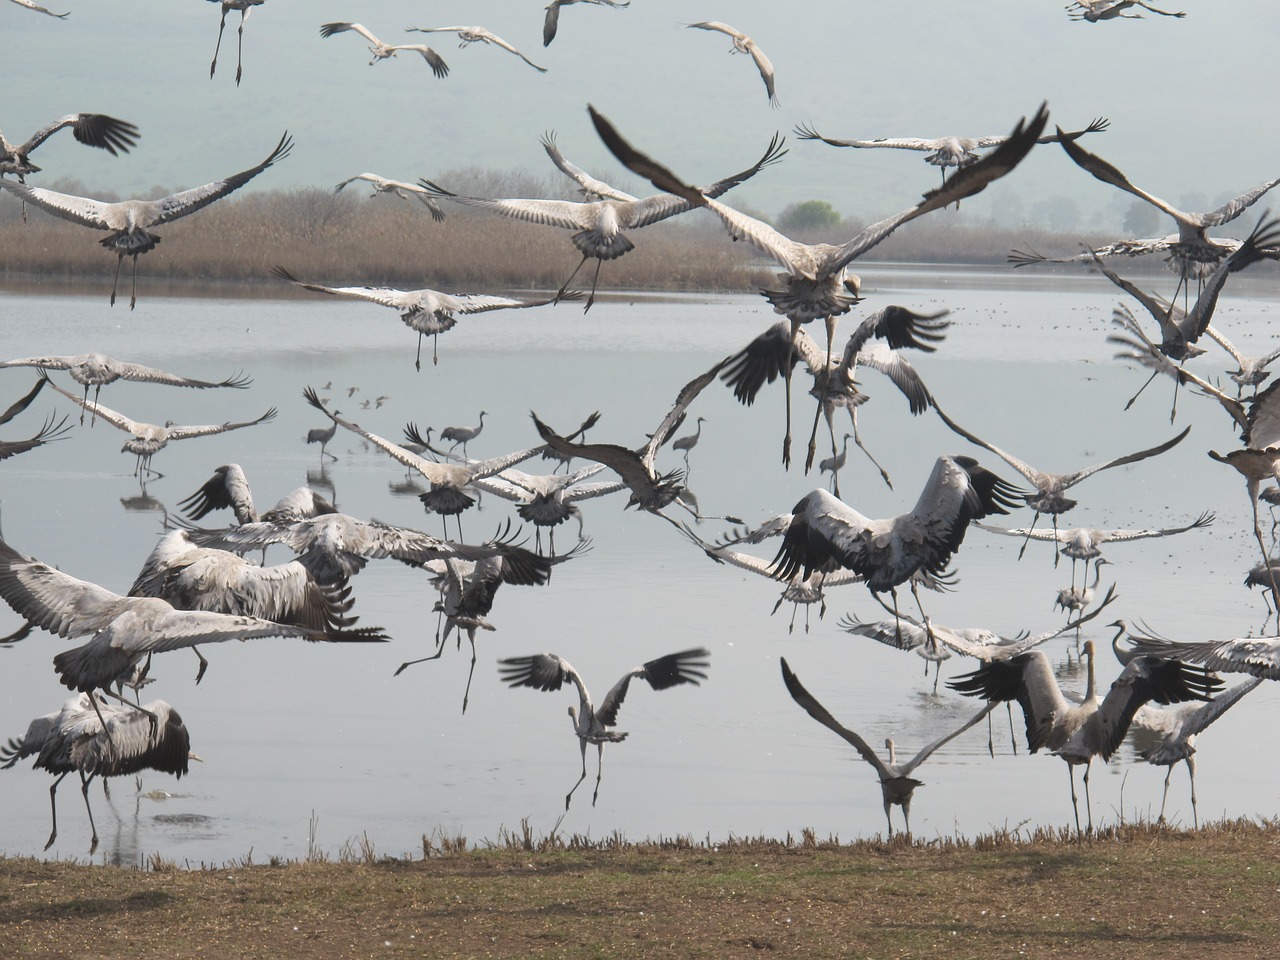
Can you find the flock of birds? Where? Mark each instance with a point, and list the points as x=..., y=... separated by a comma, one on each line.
x=198, y=588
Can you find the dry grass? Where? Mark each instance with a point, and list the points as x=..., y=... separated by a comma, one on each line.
x=1132, y=892
x=349, y=239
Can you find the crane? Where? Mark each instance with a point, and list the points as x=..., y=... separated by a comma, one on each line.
x=461, y=435
x=897, y=786
x=1077, y=732
x=399, y=188
x=229, y=488
x=97, y=370
x=816, y=282
x=130, y=220
x=382, y=51
x=744, y=44
x=1094, y=10
x=32, y=5
x=551, y=22
x=245, y=7
x=547, y=671
x=599, y=224
x=549, y=500
x=469, y=35
x=101, y=740
x=91, y=129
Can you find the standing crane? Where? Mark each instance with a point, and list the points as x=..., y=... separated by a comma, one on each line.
x=461, y=435
x=547, y=671
x=101, y=740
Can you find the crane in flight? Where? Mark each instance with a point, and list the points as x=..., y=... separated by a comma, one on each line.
x=816, y=282
x=382, y=51
x=399, y=188
x=470, y=35
x=1093, y=11
x=592, y=724
x=130, y=220
x=744, y=44
x=91, y=129
x=245, y=7
x=551, y=22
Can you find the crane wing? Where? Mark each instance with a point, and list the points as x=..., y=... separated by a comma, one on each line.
x=189, y=201
x=816, y=710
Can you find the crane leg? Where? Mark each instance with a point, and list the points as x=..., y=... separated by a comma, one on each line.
x=1164, y=799
x=133, y=289
x=214, y=66
x=471, y=635
x=1071, y=774
x=240, y=46
x=1013, y=737
x=1027, y=539
x=1139, y=393
x=53, y=808
x=595, y=279
x=417, y=360
x=599, y=771
x=1191, y=771
x=791, y=354
x=813, y=434
x=116, y=282
x=583, y=745
x=84, y=789
x=565, y=286
x=888, y=819
x=857, y=438
x=1088, y=805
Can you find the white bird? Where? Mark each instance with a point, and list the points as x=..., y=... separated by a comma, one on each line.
x=229, y=488
x=1194, y=254
x=650, y=490
x=123, y=631
x=943, y=151
x=381, y=51
x=897, y=786
x=97, y=370
x=150, y=438
x=877, y=343
x=1175, y=728
x=101, y=740
x=1082, y=543
x=32, y=5
x=399, y=188
x=889, y=552
x=552, y=20
x=461, y=435
x=1049, y=495
x=130, y=220
x=469, y=35
x=203, y=578
x=600, y=223
x=447, y=496
x=546, y=671
x=427, y=311
x=1095, y=10
x=92, y=129
x=549, y=500
x=816, y=282
x=245, y=7
x=744, y=44
x=1077, y=732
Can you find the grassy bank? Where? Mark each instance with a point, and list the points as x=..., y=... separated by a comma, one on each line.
x=349, y=239
x=1133, y=892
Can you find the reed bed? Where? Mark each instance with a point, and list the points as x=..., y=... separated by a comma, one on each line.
x=348, y=238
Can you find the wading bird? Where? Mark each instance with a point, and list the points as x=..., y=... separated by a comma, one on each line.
x=461, y=435
x=943, y=151
x=599, y=223
x=1175, y=728
x=1050, y=488
x=552, y=20
x=448, y=495
x=688, y=442
x=400, y=189
x=245, y=7
x=429, y=312
x=650, y=490
x=101, y=740
x=97, y=370
x=469, y=35
x=1095, y=10
x=546, y=671
x=1075, y=599
x=744, y=44
x=549, y=500
x=1077, y=732
x=91, y=129
x=130, y=220
x=150, y=438
x=381, y=51
x=897, y=786
x=816, y=282
x=889, y=552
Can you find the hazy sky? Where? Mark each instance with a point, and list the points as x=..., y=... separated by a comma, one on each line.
x=1192, y=102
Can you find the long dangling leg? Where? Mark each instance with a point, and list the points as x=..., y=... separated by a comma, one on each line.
x=1164, y=799
x=417, y=360
x=599, y=771
x=1071, y=774
x=791, y=353
x=1088, y=804
x=214, y=66
x=471, y=635
x=595, y=279
x=133, y=290
x=1027, y=539
x=565, y=286
x=813, y=434
x=240, y=46
x=116, y=282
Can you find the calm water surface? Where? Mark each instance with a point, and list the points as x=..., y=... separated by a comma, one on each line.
x=289, y=730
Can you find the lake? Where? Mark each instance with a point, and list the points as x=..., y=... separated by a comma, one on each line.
x=305, y=743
